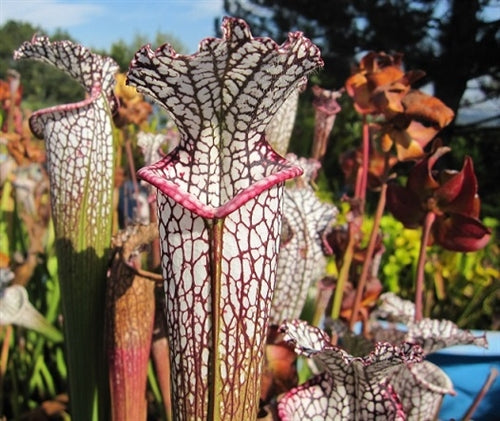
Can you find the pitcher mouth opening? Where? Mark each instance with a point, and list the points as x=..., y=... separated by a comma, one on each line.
x=158, y=176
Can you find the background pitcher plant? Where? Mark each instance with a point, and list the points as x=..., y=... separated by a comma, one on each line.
x=220, y=208
x=79, y=146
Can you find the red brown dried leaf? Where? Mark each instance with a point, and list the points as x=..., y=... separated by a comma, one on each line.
x=451, y=195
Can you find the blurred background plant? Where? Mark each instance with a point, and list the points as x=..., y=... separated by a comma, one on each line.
x=32, y=365
x=462, y=287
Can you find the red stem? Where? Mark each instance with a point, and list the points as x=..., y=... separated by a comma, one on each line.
x=486, y=387
x=369, y=256
x=419, y=289
x=362, y=179
x=354, y=224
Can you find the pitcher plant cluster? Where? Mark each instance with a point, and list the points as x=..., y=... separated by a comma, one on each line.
x=231, y=239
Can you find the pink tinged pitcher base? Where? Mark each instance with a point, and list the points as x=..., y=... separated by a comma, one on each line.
x=250, y=238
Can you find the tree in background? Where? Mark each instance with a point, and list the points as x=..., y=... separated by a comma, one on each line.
x=455, y=42
x=123, y=52
x=40, y=88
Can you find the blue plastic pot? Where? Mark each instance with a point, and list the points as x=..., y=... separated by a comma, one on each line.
x=468, y=366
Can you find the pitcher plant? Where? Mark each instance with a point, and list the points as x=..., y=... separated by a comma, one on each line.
x=80, y=161
x=219, y=205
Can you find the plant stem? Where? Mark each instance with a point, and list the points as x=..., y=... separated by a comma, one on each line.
x=343, y=274
x=131, y=165
x=323, y=295
x=355, y=223
x=369, y=256
x=419, y=288
x=82, y=275
x=366, y=159
x=487, y=384
x=362, y=177
x=6, y=334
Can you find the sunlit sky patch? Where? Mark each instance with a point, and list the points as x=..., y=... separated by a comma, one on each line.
x=97, y=24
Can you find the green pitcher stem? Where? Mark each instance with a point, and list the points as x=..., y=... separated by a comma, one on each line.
x=420, y=280
x=82, y=267
x=343, y=275
x=83, y=309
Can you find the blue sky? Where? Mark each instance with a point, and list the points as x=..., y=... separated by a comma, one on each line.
x=97, y=24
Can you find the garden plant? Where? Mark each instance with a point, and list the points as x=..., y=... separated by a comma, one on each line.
x=220, y=281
